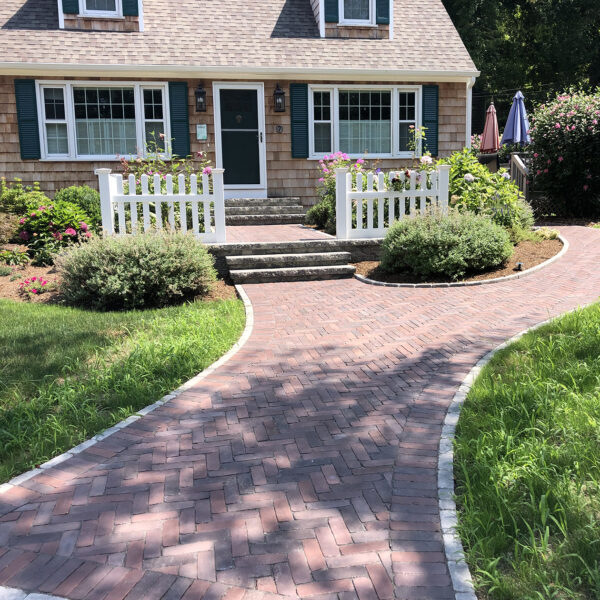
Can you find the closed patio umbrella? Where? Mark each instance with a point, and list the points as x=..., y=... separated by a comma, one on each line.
x=490, y=140
x=517, y=125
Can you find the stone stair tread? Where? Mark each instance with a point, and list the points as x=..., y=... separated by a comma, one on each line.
x=292, y=274
x=296, y=218
x=272, y=261
x=263, y=210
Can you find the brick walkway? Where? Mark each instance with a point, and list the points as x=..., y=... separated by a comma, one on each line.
x=272, y=233
x=305, y=466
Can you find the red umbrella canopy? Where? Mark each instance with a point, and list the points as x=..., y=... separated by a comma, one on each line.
x=490, y=140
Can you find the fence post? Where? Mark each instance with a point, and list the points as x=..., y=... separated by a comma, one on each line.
x=341, y=204
x=219, y=194
x=443, y=187
x=106, y=204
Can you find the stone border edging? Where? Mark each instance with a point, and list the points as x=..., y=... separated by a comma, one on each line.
x=7, y=593
x=519, y=275
x=462, y=582
x=148, y=409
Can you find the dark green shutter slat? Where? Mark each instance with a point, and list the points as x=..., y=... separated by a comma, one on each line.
x=70, y=7
x=382, y=12
x=131, y=8
x=331, y=11
x=27, y=118
x=430, y=117
x=299, y=113
x=180, y=120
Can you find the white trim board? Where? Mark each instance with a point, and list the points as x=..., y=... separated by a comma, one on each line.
x=250, y=191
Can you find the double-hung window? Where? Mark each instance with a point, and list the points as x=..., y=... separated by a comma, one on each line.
x=357, y=12
x=102, y=121
x=101, y=8
x=375, y=120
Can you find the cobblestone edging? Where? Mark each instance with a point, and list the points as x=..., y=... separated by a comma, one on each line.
x=455, y=556
x=520, y=275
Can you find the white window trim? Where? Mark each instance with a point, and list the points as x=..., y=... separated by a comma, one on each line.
x=117, y=13
x=366, y=22
x=68, y=86
x=395, y=137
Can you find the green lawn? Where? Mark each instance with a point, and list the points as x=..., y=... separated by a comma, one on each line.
x=67, y=374
x=528, y=465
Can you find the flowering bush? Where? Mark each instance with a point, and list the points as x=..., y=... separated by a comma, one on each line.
x=474, y=188
x=16, y=198
x=86, y=198
x=33, y=286
x=51, y=227
x=565, y=137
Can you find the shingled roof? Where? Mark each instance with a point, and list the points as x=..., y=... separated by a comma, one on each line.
x=254, y=36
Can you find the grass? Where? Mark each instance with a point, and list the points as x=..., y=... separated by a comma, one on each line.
x=67, y=374
x=528, y=465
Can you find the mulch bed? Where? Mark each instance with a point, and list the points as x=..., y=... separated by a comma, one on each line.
x=529, y=253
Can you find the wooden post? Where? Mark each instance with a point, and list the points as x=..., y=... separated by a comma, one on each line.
x=219, y=194
x=444, y=187
x=106, y=187
x=341, y=204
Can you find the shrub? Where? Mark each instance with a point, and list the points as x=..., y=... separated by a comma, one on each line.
x=51, y=227
x=146, y=271
x=435, y=245
x=17, y=199
x=87, y=198
x=565, y=137
x=14, y=257
x=5, y=271
x=9, y=228
x=318, y=214
x=474, y=188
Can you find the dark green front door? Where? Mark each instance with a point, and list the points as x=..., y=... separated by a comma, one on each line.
x=240, y=136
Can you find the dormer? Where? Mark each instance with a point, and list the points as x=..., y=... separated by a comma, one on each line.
x=101, y=15
x=367, y=19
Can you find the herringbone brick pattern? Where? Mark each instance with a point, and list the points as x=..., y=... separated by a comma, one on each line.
x=304, y=467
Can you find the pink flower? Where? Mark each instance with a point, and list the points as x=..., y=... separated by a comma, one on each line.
x=549, y=162
x=586, y=187
x=34, y=291
x=321, y=180
x=83, y=226
x=21, y=220
x=545, y=170
x=70, y=231
x=33, y=214
x=595, y=121
x=34, y=279
x=325, y=170
x=557, y=126
x=207, y=171
x=560, y=159
x=535, y=155
x=88, y=234
x=24, y=235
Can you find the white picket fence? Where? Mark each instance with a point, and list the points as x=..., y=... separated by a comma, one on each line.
x=384, y=206
x=194, y=207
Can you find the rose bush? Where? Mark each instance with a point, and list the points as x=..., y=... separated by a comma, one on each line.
x=565, y=136
x=51, y=227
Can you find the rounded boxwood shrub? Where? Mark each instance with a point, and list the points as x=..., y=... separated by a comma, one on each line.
x=86, y=198
x=128, y=272
x=448, y=246
x=565, y=135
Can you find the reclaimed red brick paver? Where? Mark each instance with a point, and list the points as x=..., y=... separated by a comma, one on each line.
x=304, y=467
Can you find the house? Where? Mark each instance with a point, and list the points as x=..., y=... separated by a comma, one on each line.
x=266, y=87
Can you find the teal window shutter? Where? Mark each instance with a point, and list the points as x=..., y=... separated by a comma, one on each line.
x=27, y=118
x=131, y=8
x=332, y=11
x=299, y=112
x=70, y=7
x=180, y=120
x=430, y=117
x=382, y=12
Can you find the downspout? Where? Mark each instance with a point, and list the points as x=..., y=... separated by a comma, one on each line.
x=141, y=14
x=61, y=15
x=322, y=18
x=469, y=119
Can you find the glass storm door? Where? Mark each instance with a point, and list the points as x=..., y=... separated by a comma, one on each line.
x=240, y=136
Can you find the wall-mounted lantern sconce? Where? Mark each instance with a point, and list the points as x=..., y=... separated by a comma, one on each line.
x=279, y=98
x=200, y=99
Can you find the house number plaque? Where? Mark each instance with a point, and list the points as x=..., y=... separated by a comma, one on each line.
x=201, y=133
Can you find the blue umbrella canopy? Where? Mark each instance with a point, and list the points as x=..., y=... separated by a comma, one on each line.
x=517, y=124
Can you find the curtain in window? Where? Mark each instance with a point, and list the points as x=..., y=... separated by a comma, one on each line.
x=365, y=122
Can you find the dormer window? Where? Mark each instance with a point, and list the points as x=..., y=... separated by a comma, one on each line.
x=102, y=8
x=357, y=12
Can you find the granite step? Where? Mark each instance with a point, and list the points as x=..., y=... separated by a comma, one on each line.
x=264, y=210
x=278, y=261
x=258, y=219
x=282, y=201
x=292, y=274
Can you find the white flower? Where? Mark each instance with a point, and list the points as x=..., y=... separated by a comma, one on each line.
x=426, y=160
x=469, y=178
x=506, y=175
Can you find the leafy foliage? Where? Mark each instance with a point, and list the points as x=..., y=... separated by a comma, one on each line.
x=566, y=146
x=17, y=199
x=51, y=227
x=435, y=245
x=528, y=465
x=87, y=198
x=145, y=271
x=14, y=257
